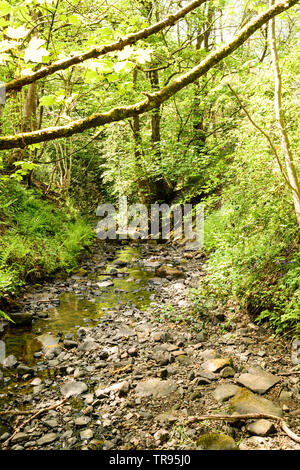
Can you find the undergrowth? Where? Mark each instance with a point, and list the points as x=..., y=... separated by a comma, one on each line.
x=36, y=237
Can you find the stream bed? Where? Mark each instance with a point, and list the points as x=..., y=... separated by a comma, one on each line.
x=80, y=300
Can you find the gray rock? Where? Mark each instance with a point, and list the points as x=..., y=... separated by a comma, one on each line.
x=103, y=355
x=48, y=340
x=88, y=345
x=51, y=423
x=105, y=284
x=206, y=375
x=156, y=388
x=124, y=330
x=86, y=434
x=261, y=427
x=121, y=388
x=225, y=391
x=295, y=356
x=73, y=388
x=227, y=372
x=19, y=437
x=258, y=381
x=245, y=402
x=47, y=439
x=22, y=369
x=216, y=364
x=82, y=421
x=35, y=382
x=10, y=362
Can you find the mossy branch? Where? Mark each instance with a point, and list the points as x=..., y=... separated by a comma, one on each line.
x=152, y=100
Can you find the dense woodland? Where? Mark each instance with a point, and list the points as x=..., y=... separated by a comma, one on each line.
x=160, y=101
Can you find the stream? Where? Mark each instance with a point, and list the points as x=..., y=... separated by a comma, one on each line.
x=87, y=297
x=120, y=342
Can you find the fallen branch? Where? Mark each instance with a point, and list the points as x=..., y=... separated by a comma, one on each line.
x=235, y=417
x=26, y=412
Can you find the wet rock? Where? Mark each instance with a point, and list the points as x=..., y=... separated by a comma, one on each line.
x=73, y=388
x=48, y=341
x=258, y=381
x=21, y=319
x=165, y=271
x=245, y=402
x=216, y=441
x=22, y=369
x=10, y=362
x=69, y=344
x=225, y=391
x=261, y=427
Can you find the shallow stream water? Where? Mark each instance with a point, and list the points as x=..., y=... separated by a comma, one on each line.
x=74, y=310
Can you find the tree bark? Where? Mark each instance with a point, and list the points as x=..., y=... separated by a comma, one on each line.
x=285, y=143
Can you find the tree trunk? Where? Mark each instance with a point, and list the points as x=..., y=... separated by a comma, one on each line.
x=285, y=143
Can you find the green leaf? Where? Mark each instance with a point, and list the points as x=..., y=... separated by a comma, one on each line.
x=3, y=314
x=34, y=51
x=16, y=33
x=49, y=100
x=5, y=8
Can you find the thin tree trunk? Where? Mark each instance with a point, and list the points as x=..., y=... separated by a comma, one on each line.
x=285, y=143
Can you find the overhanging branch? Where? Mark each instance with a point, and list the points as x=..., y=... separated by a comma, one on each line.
x=16, y=85
x=152, y=100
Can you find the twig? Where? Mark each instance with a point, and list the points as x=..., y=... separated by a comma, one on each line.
x=289, y=373
x=282, y=423
x=25, y=412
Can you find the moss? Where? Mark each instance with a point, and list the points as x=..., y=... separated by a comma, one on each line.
x=216, y=441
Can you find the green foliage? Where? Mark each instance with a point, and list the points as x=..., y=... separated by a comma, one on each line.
x=37, y=237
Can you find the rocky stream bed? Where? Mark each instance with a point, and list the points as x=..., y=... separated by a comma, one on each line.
x=113, y=357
